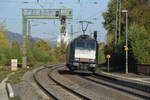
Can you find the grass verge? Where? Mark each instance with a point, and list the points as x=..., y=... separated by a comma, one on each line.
x=16, y=76
x=4, y=71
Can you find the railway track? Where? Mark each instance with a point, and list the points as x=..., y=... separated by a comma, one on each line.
x=45, y=78
x=130, y=88
x=53, y=88
x=87, y=88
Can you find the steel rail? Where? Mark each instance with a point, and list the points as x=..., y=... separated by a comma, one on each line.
x=68, y=89
x=52, y=68
x=121, y=83
x=41, y=86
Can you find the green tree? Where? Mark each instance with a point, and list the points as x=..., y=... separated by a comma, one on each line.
x=140, y=43
x=101, y=57
x=15, y=51
x=43, y=45
x=60, y=52
x=138, y=13
x=4, y=45
x=40, y=52
x=3, y=37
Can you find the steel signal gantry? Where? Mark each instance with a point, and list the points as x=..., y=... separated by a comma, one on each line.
x=41, y=14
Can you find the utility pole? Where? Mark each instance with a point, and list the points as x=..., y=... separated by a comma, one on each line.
x=71, y=36
x=29, y=29
x=119, y=35
x=116, y=33
x=118, y=21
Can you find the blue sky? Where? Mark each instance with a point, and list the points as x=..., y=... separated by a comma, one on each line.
x=11, y=14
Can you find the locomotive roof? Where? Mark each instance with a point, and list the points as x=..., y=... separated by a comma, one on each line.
x=84, y=37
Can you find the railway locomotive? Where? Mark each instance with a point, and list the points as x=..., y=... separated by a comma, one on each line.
x=82, y=53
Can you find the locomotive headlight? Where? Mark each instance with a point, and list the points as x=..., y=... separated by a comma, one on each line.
x=75, y=64
x=76, y=59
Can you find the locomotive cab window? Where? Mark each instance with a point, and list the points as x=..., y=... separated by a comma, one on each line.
x=85, y=45
x=91, y=45
x=80, y=45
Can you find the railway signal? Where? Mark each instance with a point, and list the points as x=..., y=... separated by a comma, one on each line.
x=126, y=48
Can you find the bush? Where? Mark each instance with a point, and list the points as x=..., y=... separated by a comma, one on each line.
x=4, y=55
x=101, y=56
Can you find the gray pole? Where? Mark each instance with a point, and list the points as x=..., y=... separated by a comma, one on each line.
x=29, y=29
x=119, y=36
x=127, y=42
x=108, y=64
x=71, y=31
x=24, y=43
x=116, y=22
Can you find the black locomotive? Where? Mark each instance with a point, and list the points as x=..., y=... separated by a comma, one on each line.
x=82, y=53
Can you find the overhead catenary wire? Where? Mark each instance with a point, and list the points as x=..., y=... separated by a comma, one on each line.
x=52, y=4
x=45, y=2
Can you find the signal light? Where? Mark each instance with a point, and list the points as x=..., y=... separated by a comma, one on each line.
x=77, y=59
x=57, y=13
x=63, y=19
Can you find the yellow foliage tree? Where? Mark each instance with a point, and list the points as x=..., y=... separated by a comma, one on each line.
x=3, y=40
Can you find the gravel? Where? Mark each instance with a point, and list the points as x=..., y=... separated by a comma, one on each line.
x=99, y=91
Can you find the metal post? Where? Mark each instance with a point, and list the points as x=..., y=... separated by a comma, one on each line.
x=29, y=29
x=108, y=64
x=24, y=59
x=71, y=32
x=119, y=35
x=126, y=41
x=126, y=47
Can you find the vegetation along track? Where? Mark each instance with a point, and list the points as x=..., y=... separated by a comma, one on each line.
x=139, y=90
x=53, y=88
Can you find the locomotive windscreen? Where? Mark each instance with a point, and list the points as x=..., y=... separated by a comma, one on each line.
x=80, y=44
x=91, y=45
x=86, y=45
